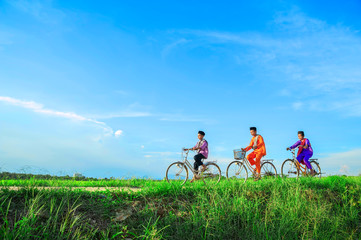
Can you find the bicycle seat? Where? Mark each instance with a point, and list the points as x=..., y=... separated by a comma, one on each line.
x=266, y=160
x=208, y=162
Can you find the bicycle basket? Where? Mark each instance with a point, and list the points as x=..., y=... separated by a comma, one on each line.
x=239, y=154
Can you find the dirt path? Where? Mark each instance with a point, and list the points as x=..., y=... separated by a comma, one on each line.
x=90, y=189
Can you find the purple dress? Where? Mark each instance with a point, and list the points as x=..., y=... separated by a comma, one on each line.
x=304, y=154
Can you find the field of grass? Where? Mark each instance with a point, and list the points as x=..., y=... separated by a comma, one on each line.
x=328, y=208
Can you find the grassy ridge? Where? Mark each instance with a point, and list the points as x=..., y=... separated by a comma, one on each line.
x=329, y=208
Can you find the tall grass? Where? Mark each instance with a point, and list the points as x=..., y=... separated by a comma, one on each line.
x=33, y=182
x=307, y=208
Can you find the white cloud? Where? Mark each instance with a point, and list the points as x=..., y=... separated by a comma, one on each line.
x=147, y=156
x=344, y=169
x=344, y=162
x=39, y=108
x=118, y=133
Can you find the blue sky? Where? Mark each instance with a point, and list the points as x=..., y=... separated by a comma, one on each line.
x=117, y=88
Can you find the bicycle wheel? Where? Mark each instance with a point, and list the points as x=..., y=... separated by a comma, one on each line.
x=315, y=166
x=212, y=173
x=289, y=169
x=237, y=170
x=177, y=172
x=268, y=170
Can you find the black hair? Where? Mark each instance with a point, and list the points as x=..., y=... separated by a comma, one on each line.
x=253, y=128
x=302, y=133
x=201, y=133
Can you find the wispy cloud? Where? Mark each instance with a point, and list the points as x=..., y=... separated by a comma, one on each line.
x=39, y=108
x=41, y=10
x=297, y=105
x=164, y=153
x=126, y=114
x=167, y=49
x=176, y=117
x=299, y=50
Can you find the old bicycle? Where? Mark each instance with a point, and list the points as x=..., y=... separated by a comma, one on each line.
x=291, y=168
x=238, y=168
x=178, y=171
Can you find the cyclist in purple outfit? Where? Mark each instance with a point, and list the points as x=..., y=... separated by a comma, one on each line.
x=305, y=150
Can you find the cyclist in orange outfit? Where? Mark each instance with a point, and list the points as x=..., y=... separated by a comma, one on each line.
x=259, y=149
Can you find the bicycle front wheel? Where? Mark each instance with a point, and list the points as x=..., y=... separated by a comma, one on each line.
x=315, y=166
x=212, y=173
x=268, y=170
x=177, y=173
x=289, y=169
x=237, y=170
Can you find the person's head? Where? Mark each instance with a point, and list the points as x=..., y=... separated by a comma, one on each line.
x=301, y=135
x=201, y=135
x=253, y=131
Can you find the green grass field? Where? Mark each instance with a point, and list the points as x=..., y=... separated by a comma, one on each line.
x=327, y=208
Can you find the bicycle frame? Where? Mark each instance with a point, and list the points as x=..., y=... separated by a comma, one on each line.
x=245, y=162
x=301, y=168
x=187, y=163
x=248, y=165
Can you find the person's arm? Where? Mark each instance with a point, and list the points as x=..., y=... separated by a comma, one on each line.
x=195, y=147
x=192, y=148
x=295, y=145
x=307, y=143
x=249, y=146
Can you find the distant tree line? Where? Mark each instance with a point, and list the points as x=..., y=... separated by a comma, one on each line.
x=9, y=175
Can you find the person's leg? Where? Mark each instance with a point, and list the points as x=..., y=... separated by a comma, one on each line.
x=198, y=161
x=251, y=158
x=300, y=158
x=303, y=158
x=258, y=163
x=306, y=158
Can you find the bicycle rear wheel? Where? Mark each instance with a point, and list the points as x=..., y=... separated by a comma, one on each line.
x=315, y=166
x=237, y=170
x=212, y=173
x=289, y=169
x=177, y=172
x=268, y=170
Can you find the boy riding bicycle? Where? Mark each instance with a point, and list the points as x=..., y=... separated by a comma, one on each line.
x=259, y=150
x=202, y=149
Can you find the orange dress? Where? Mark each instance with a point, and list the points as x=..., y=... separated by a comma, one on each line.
x=258, y=153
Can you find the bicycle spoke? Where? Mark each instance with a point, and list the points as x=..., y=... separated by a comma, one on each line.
x=177, y=172
x=236, y=170
x=289, y=169
x=268, y=170
x=212, y=173
x=315, y=166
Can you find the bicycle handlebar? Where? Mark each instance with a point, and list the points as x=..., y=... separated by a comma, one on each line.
x=294, y=149
x=186, y=150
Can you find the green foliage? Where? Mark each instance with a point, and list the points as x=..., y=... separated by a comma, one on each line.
x=308, y=208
